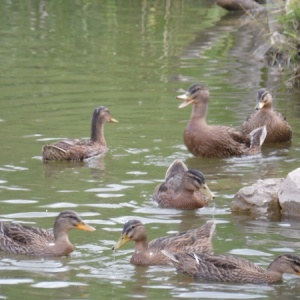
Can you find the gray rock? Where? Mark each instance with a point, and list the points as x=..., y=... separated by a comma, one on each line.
x=259, y=199
x=289, y=194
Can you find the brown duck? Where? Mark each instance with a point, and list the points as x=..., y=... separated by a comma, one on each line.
x=278, y=129
x=224, y=268
x=20, y=239
x=81, y=149
x=205, y=140
x=182, y=188
x=198, y=239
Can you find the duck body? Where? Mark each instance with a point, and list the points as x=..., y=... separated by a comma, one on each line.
x=278, y=129
x=150, y=253
x=20, y=239
x=225, y=268
x=210, y=141
x=182, y=188
x=80, y=149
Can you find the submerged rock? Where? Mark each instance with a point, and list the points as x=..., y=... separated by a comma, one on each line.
x=239, y=5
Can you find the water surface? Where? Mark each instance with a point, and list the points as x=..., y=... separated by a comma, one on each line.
x=59, y=60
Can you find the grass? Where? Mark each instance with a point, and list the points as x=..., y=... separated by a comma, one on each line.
x=290, y=49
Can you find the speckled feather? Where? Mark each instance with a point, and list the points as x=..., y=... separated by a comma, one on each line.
x=76, y=149
x=175, y=191
x=21, y=239
x=198, y=239
x=278, y=129
x=224, y=268
x=205, y=140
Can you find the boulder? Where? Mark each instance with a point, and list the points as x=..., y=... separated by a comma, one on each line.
x=260, y=199
x=289, y=194
x=239, y=5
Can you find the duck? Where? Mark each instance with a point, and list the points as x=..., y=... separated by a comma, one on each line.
x=182, y=188
x=147, y=254
x=215, y=141
x=80, y=149
x=226, y=268
x=278, y=129
x=21, y=239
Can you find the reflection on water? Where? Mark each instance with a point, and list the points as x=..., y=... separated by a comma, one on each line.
x=61, y=59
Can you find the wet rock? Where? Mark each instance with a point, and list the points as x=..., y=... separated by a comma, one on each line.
x=260, y=199
x=239, y=5
x=289, y=194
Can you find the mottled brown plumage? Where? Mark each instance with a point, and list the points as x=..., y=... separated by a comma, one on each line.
x=205, y=140
x=198, y=239
x=278, y=129
x=81, y=149
x=20, y=239
x=225, y=268
x=182, y=188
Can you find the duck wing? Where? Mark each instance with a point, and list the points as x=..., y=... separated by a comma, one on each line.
x=220, y=268
x=198, y=240
x=72, y=150
x=17, y=238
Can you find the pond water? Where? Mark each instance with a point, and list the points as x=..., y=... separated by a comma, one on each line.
x=61, y=59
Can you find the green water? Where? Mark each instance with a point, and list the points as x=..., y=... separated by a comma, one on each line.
x=61, y=59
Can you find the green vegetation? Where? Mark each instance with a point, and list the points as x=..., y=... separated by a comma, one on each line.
x=290, y=23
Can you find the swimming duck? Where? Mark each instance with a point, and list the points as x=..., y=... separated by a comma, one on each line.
x=21, y=239
x=198, y=239
x=81, y=149
x=223, y=268
x=205, y=140
x=182, y=188
x=278, y=129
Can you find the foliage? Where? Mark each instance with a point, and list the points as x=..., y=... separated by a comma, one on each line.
x=290, y=23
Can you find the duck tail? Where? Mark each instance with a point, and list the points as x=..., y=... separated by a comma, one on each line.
x=257, y=137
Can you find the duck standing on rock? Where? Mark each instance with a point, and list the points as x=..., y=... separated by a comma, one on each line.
x=182, y=188
x=198, y=239
x=81, y=149
x=278, y=129
x=225, y=268
x=208, y=141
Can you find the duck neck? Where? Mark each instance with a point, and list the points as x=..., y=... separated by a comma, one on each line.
x=141, y=255
x=275, y=271
x=97, y=132
x=199, y=112
x=141, y=245
x=62, y=245
x=60, y=234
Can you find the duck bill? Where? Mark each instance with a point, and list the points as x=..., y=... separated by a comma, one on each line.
x=259, y=105
x=112, y=120
x=186, y=103
x=124, y=239
x=85, y=227
x=207, y=192
x=186, y=98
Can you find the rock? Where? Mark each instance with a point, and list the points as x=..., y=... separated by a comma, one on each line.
x=259, y=199
x=289, y=194
x=239, y=5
